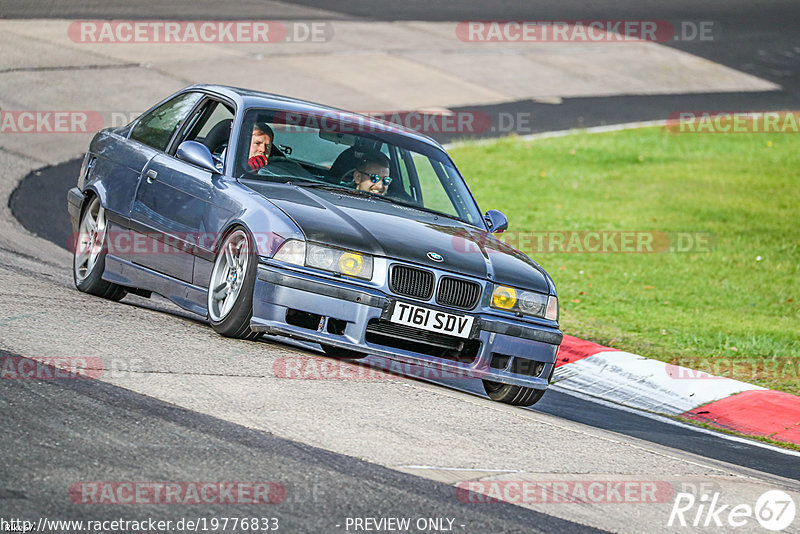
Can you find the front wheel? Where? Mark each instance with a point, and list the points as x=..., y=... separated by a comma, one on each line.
x=514, y=395
x=230, y=291
x=89, y=260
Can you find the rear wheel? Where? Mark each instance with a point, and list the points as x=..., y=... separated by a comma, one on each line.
x=514, y=395
x=89, y=260
x=230, y=291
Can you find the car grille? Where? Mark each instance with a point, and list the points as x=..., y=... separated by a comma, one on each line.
x=458, y=293
x=411, y=282
x=381, y=332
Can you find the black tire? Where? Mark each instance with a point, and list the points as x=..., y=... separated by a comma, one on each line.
x=89, y=254
x=233, y=319
x=514, y=395
x=343, y=354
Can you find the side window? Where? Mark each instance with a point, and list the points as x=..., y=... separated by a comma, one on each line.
x=432, y=189
x=157, y=127
x=212, y=127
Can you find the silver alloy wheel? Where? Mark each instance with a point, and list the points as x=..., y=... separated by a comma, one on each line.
x=90, y=240
x=228, y=275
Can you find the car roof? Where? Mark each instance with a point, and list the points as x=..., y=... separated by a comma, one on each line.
x=248, y=98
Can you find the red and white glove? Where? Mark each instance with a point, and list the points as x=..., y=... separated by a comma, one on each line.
x=256, y=162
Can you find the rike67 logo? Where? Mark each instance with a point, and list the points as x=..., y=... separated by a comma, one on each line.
x=774, y=510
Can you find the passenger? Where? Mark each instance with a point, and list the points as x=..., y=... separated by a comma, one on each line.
x=372, y=173
x=260, y=146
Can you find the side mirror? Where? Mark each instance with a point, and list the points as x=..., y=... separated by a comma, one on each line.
x=198, y=155
x=496, y=220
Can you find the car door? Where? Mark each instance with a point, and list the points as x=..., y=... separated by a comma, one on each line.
x=149, y=136
x=169, y=208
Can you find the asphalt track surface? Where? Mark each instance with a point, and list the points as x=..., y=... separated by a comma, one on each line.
x=91, y=419
x=758, y=38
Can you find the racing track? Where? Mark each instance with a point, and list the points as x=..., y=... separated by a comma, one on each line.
x=176, y=402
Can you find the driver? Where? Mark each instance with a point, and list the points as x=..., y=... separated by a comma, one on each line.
x=372, y=173
x=260, y=146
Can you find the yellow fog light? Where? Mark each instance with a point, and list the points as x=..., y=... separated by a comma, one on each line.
x=504, y=297
x=351, y=264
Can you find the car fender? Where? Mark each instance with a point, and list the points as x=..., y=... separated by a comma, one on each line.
x=95, y=188
x=267, y=242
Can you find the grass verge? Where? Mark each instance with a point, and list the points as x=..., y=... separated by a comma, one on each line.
x=718, y=293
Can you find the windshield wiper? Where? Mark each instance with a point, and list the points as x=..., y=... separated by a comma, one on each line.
x=366, y=194
x=289, y=179
x=346, y=191
x=305, y=182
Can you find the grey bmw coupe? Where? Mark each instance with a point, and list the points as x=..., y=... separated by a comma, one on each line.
x=273, y=215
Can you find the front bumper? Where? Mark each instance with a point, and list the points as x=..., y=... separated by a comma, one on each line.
x=278, y=290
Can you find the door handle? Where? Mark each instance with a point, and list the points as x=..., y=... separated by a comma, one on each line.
x=152, y=176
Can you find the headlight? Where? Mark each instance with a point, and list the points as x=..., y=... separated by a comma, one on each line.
x=330, y=259
x=525, y=302
x=504, y=298
x=292, y=251
x=340, y=261
x=352, y=264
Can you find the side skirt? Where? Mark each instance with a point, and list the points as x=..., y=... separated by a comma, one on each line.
x=185, y=295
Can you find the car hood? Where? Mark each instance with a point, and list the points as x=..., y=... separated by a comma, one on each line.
x=404, y=233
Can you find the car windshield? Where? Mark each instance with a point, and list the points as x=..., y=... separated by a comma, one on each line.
x=327, y=151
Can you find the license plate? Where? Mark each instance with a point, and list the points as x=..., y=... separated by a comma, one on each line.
x=432, y=320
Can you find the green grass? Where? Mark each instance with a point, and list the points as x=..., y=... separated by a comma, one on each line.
x=719, y=310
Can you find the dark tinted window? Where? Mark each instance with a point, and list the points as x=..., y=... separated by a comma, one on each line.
x=157, y=127
x=212, y=126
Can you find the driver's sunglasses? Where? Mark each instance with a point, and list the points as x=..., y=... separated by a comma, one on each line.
x=377, y=178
